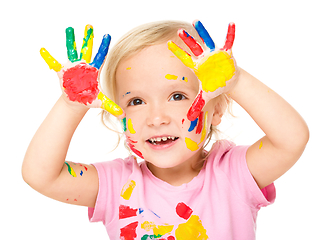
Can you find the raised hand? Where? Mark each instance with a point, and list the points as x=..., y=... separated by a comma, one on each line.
x=215, y=68
x=78, y=77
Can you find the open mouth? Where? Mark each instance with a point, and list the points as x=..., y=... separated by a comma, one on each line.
x=162, y=140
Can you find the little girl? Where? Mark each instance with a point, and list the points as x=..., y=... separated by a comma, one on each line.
x=170, y=88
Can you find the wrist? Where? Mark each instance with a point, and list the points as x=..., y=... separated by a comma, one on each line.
x=76, y=108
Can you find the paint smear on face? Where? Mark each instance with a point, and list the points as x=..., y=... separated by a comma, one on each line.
x=128, y=68
x=124, y=124
x=70, y=170
x=200, y=123
x=193, y=125
x=215, y=71
x=130, y=127
x=127, y=189
x=126, y=212
x=191, y=145
x=129, y=232
x=185, y=79
x=260, y=146
x=192, y=229
x=183, y=210
x=203, y=135
x=196, y=107
x=132, y=147
x=171, y=77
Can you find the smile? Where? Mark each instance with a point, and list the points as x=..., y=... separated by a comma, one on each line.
x=162, y=140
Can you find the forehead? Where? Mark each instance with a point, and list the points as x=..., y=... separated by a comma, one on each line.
x=154, y=66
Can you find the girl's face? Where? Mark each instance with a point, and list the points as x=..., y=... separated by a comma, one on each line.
x=156, y=90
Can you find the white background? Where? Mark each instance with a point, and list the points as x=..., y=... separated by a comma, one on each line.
x=279, y=42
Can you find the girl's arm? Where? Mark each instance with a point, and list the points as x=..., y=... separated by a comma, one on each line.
x=44, y=168
x=286, y=132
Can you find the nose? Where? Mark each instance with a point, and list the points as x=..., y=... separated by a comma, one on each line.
x=157, y=116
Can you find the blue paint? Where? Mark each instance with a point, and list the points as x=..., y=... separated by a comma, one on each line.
x=204, y=35
x=141, y=210
x=154, y=214
x=193, y=125
x=81, y=173
x=103, y=51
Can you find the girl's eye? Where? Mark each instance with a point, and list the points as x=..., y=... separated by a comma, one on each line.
x=177, y=97
x=135, y=102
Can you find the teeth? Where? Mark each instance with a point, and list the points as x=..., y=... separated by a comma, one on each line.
x=159, y=139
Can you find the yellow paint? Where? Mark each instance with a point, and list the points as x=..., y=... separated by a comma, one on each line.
x=171, y=77
x=158, y=230
x=191, y=145
x=128, y=68
x=203, y=134
x=185, y=79
x=260, y=146
x=191, y=230
x=51, y=62
x=127, y=189
x=87, y=51
x=215, y=71
x=130, y=127
x=109, y=105
x=181, y=54
x=163, y=229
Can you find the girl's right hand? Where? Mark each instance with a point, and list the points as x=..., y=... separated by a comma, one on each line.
x=79, y=79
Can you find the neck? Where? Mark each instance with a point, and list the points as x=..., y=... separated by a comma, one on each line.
x=177, y=175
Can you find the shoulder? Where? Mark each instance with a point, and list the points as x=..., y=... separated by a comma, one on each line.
x=117, y=168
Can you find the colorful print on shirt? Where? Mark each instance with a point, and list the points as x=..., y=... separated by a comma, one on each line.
x=189, y=230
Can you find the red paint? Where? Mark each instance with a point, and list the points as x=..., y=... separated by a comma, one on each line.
x=85, y=168
x=132, y=147
x=129, y=232
x=183, y=210
x=196, y=107
x=170, y=238
x=80, y=83
x=126, y=211
x=183, y=121
x=75, y=200
x=190, y=42
x=200, y=123
x=230, y=37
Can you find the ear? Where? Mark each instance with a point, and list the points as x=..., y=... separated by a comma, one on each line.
x=216, y=119
x=217, y=115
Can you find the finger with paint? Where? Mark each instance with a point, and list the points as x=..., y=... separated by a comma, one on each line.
x=86, y=51
x=213, y=67
x=230, y=37
x=71, y=45
x=204, y=35
x=102, y=52
x=51, y=62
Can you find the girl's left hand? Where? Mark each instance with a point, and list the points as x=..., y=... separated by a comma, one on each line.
x=215, y=68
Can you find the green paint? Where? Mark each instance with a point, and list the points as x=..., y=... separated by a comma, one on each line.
x=89, y=34
x=124, y=123
x=70, y=169
x=71, y=45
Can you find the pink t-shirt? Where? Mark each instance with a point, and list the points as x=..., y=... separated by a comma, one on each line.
x=221, y=202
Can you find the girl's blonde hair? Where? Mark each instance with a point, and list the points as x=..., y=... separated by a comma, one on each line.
x=133, y=42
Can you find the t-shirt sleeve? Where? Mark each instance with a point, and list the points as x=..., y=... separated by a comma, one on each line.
x=110, y=174
x=233, y=164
